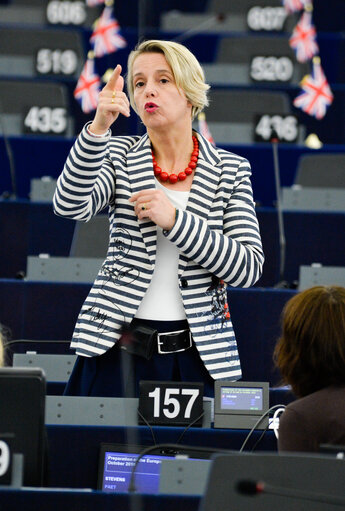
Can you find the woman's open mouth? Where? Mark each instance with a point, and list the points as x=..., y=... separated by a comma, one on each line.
x=150, y=107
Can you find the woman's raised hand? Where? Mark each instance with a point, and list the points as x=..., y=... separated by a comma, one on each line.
x=112, y=101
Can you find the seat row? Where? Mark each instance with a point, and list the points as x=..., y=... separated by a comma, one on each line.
x=254, y=77
x=32, y=229
x=26, y=158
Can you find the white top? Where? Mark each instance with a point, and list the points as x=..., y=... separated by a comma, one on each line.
x=162, y=301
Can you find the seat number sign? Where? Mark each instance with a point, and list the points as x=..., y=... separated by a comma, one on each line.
x=271, y=69
x=170, y=403
x=285, y=126
x=266, y=18
x=5, y=462
x=45, y=120
x=56, y=62
x=66, y=12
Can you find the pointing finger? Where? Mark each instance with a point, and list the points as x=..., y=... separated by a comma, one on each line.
x=115, y=81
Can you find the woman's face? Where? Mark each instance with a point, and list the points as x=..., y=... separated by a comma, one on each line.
x=159, y=102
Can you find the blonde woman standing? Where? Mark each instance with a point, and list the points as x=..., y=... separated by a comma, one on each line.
x=182, y=228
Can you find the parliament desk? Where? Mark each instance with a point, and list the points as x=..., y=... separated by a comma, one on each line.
x=73, y=460
x=79, y=500
x=31, y=228
x=73, y=450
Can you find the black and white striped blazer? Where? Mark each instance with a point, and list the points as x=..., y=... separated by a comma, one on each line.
x=217, y=235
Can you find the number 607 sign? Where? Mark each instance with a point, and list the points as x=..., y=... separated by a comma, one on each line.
x=170, y=403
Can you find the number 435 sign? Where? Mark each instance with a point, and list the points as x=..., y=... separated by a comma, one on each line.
x=170, y=403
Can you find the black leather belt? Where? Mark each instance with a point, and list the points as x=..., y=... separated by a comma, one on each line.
x=171, y=342
x=143, y=340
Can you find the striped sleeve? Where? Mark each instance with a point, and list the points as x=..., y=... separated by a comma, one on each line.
x=234, y=255
x=87, y=182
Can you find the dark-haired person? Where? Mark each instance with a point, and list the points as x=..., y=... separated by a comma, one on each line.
x=311, y=358
x=182, y=227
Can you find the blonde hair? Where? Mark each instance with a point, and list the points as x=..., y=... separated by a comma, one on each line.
x=188, y=73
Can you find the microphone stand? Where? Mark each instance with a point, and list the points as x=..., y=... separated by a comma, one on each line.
x=9, y=153
x=282, y=241
x=132, y=437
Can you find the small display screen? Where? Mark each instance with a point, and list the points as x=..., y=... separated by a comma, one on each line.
x=116, y=463
x=118, y=469
x=241, y=398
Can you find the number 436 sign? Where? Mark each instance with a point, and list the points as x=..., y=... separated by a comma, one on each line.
x=170, y=403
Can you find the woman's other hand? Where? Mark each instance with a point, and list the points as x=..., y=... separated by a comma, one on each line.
x=154, y=205
x=112, y=101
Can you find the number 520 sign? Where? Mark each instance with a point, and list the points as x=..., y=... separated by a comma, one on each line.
x=170, y=403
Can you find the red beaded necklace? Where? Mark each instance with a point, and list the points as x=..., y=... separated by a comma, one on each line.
x=173, y=178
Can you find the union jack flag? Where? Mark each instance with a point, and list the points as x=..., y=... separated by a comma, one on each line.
x=203, y=128
x=317, y=94
x=303, y=38
x=106, y=37
x=88, y=87
x=295, y=5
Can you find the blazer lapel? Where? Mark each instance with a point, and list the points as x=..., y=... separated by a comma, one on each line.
x=141, y=177
x=204, y=186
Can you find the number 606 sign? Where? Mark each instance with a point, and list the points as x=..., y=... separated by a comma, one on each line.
x=170, y=403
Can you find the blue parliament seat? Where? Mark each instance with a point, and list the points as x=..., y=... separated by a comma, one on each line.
x=41, y=53
x=328, y=16
x=319, y=184
x=234, y=115
x=51, y=13
x=34, y=107
x=31, y=229
x=321, y=170
x=255, y=60
x=37, y=312
x=32, y=158
x=57, y=368
x=231, y=16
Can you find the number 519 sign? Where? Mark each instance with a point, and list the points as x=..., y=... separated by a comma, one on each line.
x=170, y=403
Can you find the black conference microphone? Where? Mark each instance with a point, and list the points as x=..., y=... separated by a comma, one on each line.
x=9, y=154
x=274, y=139
x=253, y=488
x=248, y=487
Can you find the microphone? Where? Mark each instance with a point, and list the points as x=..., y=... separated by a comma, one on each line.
x=252, y=488
x=9, y=153
x=247, y=487
x=274, y=139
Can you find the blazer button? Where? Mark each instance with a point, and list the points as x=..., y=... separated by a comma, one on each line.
x=184, y=283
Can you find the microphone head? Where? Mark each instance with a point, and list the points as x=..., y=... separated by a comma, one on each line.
x=274, y=135
x=248, y=487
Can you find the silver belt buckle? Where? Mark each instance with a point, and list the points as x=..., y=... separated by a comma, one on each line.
x=159, y=342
